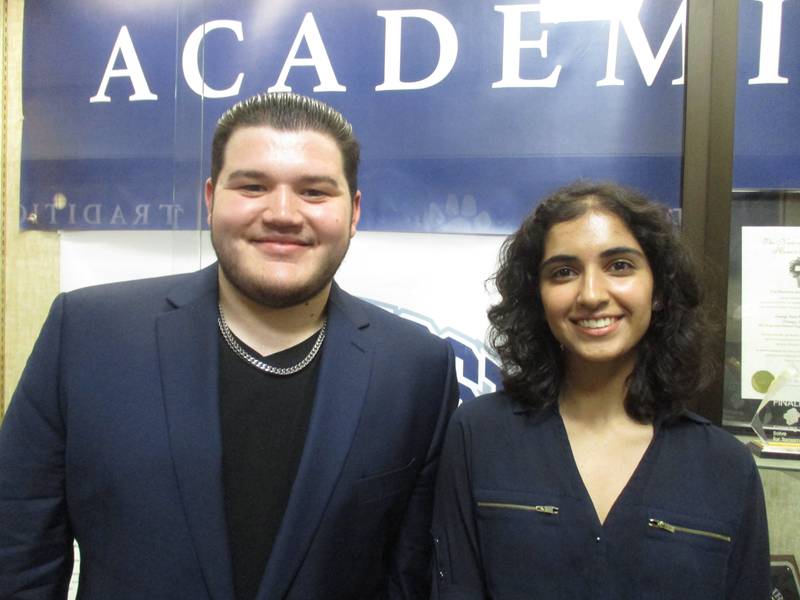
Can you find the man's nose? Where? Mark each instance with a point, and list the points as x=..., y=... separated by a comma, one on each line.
x=282, y=208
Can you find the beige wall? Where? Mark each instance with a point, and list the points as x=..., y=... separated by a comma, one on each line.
x=30, y=260
x=782, y=491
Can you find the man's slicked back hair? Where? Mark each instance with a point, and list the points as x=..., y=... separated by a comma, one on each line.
x=288, y=112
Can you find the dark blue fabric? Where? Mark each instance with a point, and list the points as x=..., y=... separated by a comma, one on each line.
x=693, y=475
x=113, y=438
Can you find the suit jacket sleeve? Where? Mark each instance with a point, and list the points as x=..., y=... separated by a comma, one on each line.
x=409, y=573
x=35, y=534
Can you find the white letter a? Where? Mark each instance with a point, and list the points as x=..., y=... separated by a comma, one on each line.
x=319, y=60
x=133, y=70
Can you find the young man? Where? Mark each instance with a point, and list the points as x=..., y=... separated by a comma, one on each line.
x=246, y=431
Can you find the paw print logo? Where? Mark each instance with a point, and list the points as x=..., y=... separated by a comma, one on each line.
x=457, y=215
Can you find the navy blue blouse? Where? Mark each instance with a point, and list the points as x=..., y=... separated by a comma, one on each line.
x=513, y=518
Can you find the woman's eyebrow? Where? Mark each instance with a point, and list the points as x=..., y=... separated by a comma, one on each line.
x=621, y=250
x=558, y=258
x=569, y=258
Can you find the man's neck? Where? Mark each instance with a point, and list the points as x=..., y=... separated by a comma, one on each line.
x=268, y=330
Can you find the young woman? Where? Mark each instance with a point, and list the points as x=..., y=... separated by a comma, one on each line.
x=587, y=478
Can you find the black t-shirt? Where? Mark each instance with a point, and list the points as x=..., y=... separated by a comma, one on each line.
x=264, y=420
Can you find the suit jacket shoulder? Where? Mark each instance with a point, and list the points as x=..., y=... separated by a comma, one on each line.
x=154, y=292
x=385, y=327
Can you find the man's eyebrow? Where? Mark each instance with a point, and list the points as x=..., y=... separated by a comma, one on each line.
x=318, y=179
x=246, y=174
x=303, y=179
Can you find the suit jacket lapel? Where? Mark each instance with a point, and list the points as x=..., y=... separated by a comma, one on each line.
x=188, y=354
x=341, y=389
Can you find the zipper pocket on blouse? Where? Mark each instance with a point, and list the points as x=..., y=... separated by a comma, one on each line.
x=549, y=510
x=663, y=525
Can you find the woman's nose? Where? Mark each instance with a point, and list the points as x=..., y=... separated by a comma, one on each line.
x=593, y=291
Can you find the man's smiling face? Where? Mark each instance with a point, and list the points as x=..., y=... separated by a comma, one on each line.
x=281, y=214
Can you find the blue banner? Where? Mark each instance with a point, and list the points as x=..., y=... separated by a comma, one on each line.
x=767, y=138
x=468, y=112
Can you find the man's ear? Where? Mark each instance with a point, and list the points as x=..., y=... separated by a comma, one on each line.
x=209, y=197
x=356, y=214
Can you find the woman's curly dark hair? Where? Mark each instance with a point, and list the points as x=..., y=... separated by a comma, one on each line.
x=672, y=364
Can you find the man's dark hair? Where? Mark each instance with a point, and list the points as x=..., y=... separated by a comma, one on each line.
x=288, y=112
x=672, y=364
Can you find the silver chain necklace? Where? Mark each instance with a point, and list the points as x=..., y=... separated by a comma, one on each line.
x=258, y=364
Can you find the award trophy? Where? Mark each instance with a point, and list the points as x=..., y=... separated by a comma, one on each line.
x=777, y=420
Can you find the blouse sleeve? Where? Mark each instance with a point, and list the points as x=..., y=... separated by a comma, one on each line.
x=457, y=573
x=748, y=565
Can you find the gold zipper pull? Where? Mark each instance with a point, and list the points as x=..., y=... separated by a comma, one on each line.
x=658, y=524
x=550, y=510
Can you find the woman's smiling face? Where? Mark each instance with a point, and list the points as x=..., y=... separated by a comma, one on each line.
x=596, y=287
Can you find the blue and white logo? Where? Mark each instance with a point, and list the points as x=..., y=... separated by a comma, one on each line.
x=477, y=371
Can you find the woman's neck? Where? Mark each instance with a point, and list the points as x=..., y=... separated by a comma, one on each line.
x=594, y=391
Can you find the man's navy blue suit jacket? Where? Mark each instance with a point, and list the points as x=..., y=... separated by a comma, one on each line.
x=113, y=438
